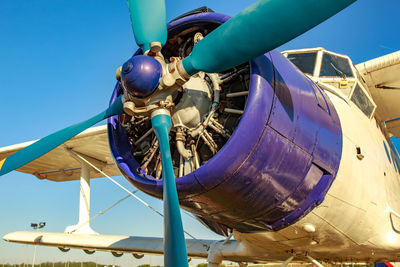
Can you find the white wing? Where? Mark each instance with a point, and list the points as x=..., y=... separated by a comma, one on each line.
x=199, y=248
x=382, y=76
x=58, y=165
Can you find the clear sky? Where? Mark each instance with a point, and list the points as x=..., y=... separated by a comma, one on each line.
x=57, y=67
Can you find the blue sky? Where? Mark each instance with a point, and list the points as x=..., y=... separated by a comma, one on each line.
x=57, y=67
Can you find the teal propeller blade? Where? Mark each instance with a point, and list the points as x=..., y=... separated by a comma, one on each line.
x=174, y=240
x=149, y=22
x=48, y=143
x=261, y=27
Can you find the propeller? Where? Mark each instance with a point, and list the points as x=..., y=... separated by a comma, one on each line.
x=149, y=23
x=150, y=29
x=50, y=142
x=174, y=239
x=261, y=27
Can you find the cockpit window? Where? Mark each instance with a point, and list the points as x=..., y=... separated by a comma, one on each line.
x=304, y=61
x=333, y=66
x=362, y=102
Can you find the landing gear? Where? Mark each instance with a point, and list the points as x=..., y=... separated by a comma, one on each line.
x=286, y=262
x=214, y=258
x=312, y=260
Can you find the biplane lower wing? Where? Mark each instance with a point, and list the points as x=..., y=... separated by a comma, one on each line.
x=198, y=248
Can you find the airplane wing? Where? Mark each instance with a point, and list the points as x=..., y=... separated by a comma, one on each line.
x=382, y=76
x=59, y=165
x=198, y=248
x=231, y=250
x=116, y=243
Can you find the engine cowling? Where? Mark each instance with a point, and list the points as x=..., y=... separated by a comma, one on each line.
x=278, y=158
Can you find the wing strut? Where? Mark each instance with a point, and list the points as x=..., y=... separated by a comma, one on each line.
x=83, y=225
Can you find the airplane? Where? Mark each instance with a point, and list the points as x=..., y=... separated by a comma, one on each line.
x=274, y=165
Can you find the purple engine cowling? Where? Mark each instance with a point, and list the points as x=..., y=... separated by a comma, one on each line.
x=275, y=168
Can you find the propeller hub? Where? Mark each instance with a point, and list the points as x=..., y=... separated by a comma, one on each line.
x=141, y=75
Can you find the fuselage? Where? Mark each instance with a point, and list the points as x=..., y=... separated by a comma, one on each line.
x=357, y=220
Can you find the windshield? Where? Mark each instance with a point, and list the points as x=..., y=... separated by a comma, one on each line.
x=304, y=61
x=333, y=66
